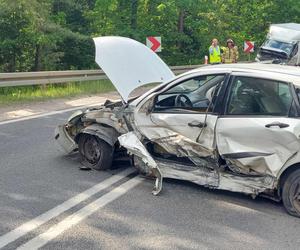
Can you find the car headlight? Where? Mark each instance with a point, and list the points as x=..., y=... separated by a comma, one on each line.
x=74, y=115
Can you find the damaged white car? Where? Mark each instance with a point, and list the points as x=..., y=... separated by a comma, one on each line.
x=231, y=127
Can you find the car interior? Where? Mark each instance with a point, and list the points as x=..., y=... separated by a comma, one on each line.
x=193, y=94
x=253, y=96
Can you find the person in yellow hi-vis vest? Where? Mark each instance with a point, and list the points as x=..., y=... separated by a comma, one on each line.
x=230, y=53
x=214, y=52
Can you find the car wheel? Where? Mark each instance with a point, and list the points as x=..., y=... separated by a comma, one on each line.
x=95, y=151
x=291, y=193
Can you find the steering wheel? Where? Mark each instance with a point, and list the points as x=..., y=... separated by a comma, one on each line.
x=182, y=100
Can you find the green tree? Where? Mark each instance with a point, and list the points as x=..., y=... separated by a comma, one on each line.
x=16, y=35
x=57, y=34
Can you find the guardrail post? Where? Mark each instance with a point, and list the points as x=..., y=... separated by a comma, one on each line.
x=43, y=88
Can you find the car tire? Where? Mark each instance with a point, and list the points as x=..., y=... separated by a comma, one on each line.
x=291, y=193
x=96, y=152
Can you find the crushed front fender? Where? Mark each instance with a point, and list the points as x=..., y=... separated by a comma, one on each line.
x=64, y=140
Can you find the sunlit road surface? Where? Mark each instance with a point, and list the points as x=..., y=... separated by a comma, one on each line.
x=46, y=202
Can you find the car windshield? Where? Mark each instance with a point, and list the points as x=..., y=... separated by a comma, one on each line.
x=273, y=44
x=191, y=85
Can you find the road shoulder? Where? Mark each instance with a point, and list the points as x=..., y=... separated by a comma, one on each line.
x=15, y=111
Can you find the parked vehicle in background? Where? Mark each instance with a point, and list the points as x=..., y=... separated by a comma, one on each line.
x=234, y=127
x=281, y=45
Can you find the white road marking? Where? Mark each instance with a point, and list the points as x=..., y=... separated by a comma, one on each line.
x=80, y=215
x=52, y=213
x=47, y=114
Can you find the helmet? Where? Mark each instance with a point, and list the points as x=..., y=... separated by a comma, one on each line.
x=230, y=41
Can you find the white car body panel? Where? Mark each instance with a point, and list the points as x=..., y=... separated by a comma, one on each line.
x=179, y=124
x=274, y=146
x=134, y=146
x=171, y=132
x=287, y=32
x=255, y=147
x=65, y=142
x=129, y=64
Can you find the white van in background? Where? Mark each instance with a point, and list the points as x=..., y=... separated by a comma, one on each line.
x=281, y=45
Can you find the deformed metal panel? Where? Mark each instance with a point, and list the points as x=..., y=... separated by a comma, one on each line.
x=199, y=175
x=64, y=140
x=247, y=143
x=131, y=142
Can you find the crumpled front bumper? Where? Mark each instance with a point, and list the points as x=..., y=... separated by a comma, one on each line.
x=66, y=143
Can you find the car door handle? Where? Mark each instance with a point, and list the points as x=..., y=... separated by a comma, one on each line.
x=197, y=124
x=277, y=124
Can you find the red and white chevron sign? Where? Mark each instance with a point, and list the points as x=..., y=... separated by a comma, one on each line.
x=248, y=47
x=154, y=43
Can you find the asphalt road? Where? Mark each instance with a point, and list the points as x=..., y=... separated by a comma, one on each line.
x=119, y=211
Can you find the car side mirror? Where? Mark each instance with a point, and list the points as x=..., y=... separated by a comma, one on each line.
x=148, y=106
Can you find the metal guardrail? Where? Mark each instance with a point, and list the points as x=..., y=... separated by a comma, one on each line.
x=47, y=77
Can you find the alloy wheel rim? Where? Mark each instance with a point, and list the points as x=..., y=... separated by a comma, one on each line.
x=296, y=196
x=91, y=150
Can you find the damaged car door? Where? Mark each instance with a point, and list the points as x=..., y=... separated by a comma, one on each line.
x=259, y=131
x=178, y=128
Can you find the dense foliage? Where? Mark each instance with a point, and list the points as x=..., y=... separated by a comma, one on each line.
x=56, y=34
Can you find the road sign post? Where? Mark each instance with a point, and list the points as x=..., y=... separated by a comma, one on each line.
x=154, y=43
x=248, y=48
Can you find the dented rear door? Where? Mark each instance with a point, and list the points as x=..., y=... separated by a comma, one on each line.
x=259, y=130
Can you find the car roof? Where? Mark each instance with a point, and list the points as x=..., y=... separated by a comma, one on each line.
x=280, y=72
x=292, y=26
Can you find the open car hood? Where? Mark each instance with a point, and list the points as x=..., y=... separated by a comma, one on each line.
x=129, y=64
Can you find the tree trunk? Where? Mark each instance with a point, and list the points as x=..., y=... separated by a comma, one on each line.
x=123, y=17
x=134, y=10
x=12, y=64
x=181, y=21
x=37, y=58
x=180, y=26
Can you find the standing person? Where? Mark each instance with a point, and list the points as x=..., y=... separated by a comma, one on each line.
x=230, y=53
x=214, y=52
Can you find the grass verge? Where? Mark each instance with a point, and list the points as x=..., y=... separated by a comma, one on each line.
x=22, y=94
